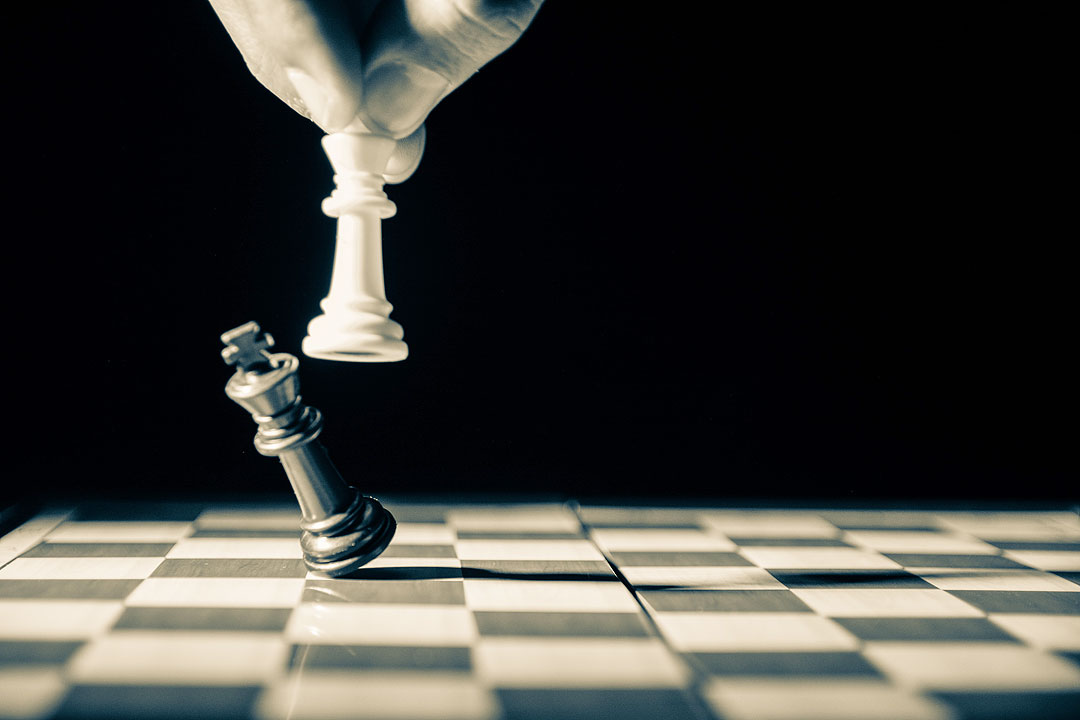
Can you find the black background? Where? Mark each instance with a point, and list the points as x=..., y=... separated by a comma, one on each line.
x=772, y=253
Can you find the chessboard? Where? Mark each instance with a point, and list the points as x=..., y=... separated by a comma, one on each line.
x=478, y=612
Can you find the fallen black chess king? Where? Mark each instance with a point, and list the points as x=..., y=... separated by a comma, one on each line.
x=343, y=529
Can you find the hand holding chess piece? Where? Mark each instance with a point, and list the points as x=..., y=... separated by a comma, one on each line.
x=368, y=73
x=343, y=529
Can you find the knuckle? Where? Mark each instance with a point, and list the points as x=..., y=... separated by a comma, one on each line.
x=503, y=18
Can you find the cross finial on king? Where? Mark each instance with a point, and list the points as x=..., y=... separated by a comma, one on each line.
x=246, y=347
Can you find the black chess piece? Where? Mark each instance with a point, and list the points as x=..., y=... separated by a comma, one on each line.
x=343, y=529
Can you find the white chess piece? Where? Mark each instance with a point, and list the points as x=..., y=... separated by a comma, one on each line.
x=355, y=325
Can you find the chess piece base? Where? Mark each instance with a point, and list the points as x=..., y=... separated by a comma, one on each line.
x=355, y=348
x=362, y=534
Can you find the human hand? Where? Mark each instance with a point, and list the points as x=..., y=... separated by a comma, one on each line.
x=376, y=66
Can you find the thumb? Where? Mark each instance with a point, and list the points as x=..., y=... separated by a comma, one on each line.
x=417, y=51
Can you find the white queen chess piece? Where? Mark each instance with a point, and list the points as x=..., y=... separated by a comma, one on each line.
x=355, y=325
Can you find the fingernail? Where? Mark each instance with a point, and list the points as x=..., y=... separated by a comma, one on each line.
x=326, y=109
x=406, y=156
x=398, y=96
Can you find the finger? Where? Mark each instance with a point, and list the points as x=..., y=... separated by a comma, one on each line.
x=417, y=51
x=314, y=42
x=303, y=51
x=406, y=157
x=262, y=64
